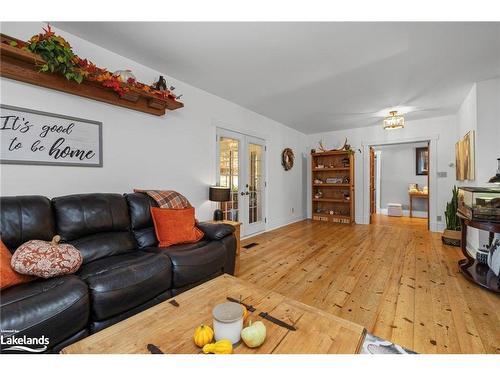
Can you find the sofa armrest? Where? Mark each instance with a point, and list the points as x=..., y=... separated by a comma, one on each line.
x=215, y=232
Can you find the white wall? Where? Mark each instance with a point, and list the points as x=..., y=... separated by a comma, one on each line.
x=488, y=129
x=397, y=171
x=467, y=113
x=176, y=151
x=442, y=129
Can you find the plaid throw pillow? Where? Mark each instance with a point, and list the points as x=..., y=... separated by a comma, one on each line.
x=167, y=198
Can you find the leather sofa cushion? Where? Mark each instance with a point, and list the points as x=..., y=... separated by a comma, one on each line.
x=57, y=308
x=81, y=215
x=101, y=245
x=96, y=224
x=25, y=218
x=192, y=263
x=139, y=205
x=121, y=282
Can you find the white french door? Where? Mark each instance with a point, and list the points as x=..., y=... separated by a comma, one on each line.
x=241, y=166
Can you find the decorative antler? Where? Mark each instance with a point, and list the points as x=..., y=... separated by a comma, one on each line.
x=345, y=144
x=321, y=147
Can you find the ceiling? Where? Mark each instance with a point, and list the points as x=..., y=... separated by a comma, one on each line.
x=315, y=77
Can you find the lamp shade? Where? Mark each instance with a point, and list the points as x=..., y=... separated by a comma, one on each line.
x=219, y=194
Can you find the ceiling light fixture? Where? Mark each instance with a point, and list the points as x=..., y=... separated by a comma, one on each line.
x=394, y=121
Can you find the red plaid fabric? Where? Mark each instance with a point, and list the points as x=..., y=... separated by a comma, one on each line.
x=167, y=198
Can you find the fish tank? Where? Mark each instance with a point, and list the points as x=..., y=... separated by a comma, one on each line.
x=479, y=203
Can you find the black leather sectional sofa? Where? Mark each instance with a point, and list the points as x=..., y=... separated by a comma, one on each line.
x=123, y=272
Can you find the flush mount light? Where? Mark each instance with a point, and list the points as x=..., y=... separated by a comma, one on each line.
x=394, y=121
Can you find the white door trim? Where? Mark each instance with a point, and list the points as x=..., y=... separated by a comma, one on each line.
x=378, y=179
x=433, y=186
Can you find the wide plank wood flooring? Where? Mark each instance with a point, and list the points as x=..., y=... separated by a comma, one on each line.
x=393, y=277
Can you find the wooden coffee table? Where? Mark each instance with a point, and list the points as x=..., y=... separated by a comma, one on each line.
x=171, y=328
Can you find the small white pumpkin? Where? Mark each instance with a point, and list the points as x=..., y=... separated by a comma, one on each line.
x=125, y=75
x=254, y=335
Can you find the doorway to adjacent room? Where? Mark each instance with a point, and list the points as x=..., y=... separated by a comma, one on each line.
x=399, y=183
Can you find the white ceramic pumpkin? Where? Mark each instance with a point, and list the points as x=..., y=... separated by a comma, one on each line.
x=125, y=75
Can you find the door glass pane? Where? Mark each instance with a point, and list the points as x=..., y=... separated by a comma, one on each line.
x=254, y=187
x=229, y=171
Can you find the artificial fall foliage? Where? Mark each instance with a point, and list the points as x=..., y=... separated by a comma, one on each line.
x=60, y=59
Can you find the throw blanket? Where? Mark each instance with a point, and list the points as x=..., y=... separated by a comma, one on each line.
x=167, y=198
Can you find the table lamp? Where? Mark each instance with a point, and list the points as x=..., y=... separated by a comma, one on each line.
x=219, y=194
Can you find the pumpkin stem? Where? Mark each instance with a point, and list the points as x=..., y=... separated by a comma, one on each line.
x=56, y=239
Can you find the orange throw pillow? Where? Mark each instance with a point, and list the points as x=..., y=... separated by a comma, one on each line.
x=175, y=226
x=9, y=277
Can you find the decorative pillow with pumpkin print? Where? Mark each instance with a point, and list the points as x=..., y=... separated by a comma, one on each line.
x=46, y=259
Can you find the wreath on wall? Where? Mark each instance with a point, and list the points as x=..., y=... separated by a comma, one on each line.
x=287, y=157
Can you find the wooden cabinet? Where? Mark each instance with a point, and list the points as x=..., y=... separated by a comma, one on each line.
x=332, y=182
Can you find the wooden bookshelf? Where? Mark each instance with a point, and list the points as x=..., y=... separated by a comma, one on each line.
x=332, y=183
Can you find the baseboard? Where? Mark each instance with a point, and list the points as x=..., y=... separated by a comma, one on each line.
x=294, y=220
x=420, y=214
x=435, y=226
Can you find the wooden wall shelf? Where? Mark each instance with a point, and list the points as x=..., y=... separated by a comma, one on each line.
x=331, y=169
x=330, y=200
x=19, y=64
x=332, y=185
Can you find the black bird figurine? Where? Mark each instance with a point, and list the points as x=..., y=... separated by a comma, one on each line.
x=161, y=84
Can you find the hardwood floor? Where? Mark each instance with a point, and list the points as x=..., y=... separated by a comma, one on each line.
x=393, y=277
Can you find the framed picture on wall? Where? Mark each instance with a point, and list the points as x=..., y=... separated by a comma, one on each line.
x=422, y=161
x=40, y=138
x=465, y=157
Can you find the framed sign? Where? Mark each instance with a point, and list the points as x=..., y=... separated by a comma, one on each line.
x=34, y=137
